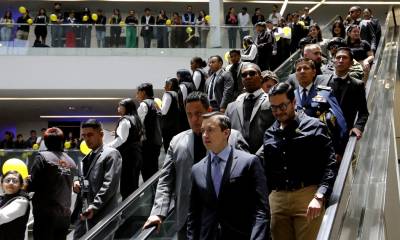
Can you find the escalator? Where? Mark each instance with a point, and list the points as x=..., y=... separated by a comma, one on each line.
x=134, y=211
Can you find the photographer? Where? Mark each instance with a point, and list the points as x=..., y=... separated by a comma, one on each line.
x=101, y=170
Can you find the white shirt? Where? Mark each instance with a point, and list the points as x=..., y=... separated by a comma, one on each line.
x=244, y=21
x=14, y=210
x=252, y=54
x=142, y=111
x=307, y=92
x=40, y=141
x=197, y=79
x=275, y=18
x=122, y=133
x=166, y=103
x=256, y=94
x=183, y=91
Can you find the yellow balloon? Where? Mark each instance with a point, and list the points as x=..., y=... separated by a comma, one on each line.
x=15, y=164
x=53, y=17
x=22, y=10
x=29, y=21
x=67, y=145
x=168, y=22
x=122, y=24
x=85, y=18
x=287, y=31
x=302, y=23
x=227, y=57
x=84, y=148
x=94, y=17
x=158, y=102
x=189, y=30
x=207, y=18
x=277, y=37
x=35, y=146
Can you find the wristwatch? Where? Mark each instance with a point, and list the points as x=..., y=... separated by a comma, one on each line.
x=319, y=197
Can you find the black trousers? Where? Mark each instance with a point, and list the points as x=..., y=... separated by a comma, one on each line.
x=50, y=227
x=131, y=165
x=151, y=152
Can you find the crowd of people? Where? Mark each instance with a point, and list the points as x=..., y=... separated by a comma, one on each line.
x=248, y=155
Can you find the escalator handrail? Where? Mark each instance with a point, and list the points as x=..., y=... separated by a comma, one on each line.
x=290, y=59
x=121, y=207
x=146, y=233
x=338, y=188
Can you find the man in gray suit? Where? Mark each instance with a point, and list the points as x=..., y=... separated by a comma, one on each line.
x=235, y=68
x=185, y=149
x=219, y=86
x=101, y=170
x=251, y=114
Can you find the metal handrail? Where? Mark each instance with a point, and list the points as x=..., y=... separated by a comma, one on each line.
x=338, y=188
x=91, y=234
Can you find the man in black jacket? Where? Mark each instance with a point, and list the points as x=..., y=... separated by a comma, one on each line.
x=300, y=166
x=265, y=44
x=147, y=30
x=349, y=92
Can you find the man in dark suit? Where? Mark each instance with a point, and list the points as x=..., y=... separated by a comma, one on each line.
x=219, y=86
x=185, y=149
x=147, y=30
x=266, y=46
x=229, y=191
x=235, y=68
x=101, y=170
x=349, y=92
x=251, y=113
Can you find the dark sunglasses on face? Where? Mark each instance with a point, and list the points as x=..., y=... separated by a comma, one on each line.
x=249, y=73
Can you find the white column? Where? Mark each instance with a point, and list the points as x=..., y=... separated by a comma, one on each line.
x=217, y=19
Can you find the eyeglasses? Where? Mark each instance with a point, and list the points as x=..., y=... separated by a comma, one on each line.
x=282, y=107
x=11, y=180
x=249, y=73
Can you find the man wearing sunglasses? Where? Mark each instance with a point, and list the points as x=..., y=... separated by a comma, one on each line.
x=300, y=166
x=250, y=114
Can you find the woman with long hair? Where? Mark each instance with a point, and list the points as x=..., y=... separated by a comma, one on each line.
x=250, y=52
x=315, y=34
x=170, y=111
x=338, y=29
x=14, y=207
x=128, y=141
x=41, y=30
x=197, y=65
x=7, y=26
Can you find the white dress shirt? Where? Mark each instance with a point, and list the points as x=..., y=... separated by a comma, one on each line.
x=14, y=210
x=166, y=103
x=122, y=133
x=142, y=111
x=197, y=79
x=307, y=92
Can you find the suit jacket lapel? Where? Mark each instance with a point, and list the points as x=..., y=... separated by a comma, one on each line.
x=257, y=105
x=239, y=110
x=190, y=145
x=227, y=172
x=94, y=160
x=311, y=94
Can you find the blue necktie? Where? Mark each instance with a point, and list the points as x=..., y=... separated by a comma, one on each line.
x=216, y=174
x=304, y=98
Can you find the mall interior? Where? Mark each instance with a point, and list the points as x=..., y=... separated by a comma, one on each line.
x=65, y=63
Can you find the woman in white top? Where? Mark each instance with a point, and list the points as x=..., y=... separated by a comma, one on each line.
x=14, y=207
x=203, y=26
x=7, y=26
x=197, y=66
x=128, y=137
x=250, y=52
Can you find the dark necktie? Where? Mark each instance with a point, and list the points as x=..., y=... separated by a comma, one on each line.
x=216, y=173
x=304, y=97
x=88, y=162
x=211, y=91
x=248, y=106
